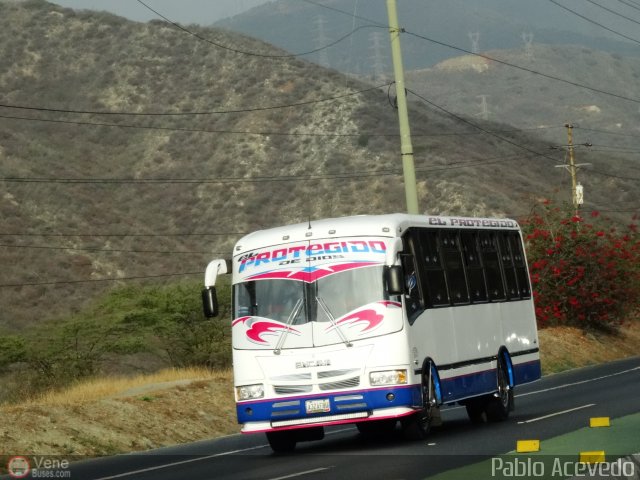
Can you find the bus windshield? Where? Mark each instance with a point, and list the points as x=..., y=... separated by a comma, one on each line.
x=341, y=292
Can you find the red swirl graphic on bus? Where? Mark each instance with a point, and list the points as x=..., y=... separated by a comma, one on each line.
x=257, y=327
x=368, y=318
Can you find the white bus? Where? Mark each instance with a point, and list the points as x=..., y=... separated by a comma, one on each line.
x=377, y=319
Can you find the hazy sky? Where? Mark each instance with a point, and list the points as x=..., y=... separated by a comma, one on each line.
x=203, y=12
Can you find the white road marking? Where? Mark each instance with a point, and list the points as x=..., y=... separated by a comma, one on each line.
x=578, y=383
x=556, y=414
x=299, y=474
x=181, y=462
x=191, y=460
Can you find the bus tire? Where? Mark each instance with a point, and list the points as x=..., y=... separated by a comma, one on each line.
x=501, y=402
x=418, y=425
x=282, y=442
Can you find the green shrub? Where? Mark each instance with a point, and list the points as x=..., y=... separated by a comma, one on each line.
x=165, y=321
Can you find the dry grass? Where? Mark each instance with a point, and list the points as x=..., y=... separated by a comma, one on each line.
x=110, y=416
x=109, y=387
x=563, y=348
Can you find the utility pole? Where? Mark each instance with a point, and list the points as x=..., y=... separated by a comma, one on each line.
x=408, y=168
x=577, y=191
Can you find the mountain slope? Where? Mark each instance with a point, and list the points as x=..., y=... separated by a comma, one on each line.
x=204, y=153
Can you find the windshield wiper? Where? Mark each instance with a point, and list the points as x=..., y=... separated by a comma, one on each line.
x=326, y=310
x=292, y=316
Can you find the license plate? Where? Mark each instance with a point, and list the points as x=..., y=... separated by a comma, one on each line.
x=317, y=406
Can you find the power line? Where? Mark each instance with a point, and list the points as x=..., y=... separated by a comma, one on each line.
x=525, y=69
x=608, y=132
x=352, y=15
x=97, y=280
x=488, y=132
x=502, y=62
x=210, y=112
x=479, y=163
x=264, y=133
x=108, y=250
x=174, y=181
x=612, y=148
x=611, y=175
x=254, y=54
x=613, y=12
x=283, y=178
x=35, y=234
x=193, y=130
x=594, y=22
x=634, y=6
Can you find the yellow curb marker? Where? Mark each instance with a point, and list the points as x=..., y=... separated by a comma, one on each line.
x=599, y=422
x=596, y=456
x=526, y=446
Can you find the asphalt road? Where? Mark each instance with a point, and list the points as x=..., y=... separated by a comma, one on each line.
x=555, y=405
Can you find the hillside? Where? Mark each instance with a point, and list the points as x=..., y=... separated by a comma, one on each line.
x=140, y=152
x=526, y=99
x=605, y=127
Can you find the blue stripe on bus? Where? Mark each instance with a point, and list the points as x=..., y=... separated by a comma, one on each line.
x=527, y=372
x=342, y=402
x=480, y=383
x=468, y=385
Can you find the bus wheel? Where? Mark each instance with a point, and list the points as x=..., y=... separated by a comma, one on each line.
x=281, y=442
x=501, y=402
x=418, y=425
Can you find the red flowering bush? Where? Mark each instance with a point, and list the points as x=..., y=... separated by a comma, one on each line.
x=583, y=274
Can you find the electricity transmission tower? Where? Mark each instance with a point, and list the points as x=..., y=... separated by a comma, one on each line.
x=321, y=41
x=378, y=64
x=484, y=107
x=475, y=41
x=527, y=38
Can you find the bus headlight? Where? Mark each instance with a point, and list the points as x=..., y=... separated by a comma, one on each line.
x=250, y=392
x=388, y=377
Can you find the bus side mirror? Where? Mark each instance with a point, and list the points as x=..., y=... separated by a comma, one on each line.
x=395, y=280
x=210, y=302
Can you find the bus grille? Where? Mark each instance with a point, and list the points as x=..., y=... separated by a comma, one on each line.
x=291, y=389
x=348, y=383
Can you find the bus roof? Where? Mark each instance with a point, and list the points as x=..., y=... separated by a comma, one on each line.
x=388, y=225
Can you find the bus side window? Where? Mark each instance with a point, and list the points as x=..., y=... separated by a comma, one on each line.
x=506, y=256
x=433, y=271
x=520, y=265
x=473, y=266
x=452, y=257
x=491, y=265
